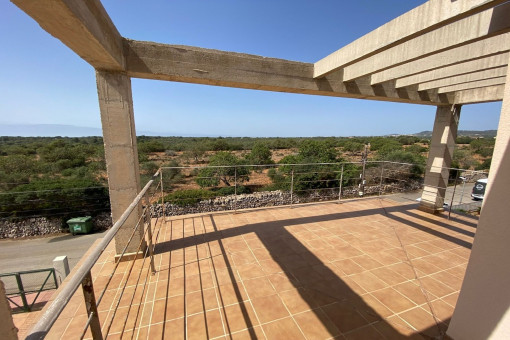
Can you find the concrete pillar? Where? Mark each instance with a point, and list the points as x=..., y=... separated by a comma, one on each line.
x=117, y=119
x=440, y=158
x=483, y=307
x=7, y=329
x=61, y=266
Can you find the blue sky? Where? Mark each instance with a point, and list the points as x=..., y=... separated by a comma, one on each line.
x=43, y=82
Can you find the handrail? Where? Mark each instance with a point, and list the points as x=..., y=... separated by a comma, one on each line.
x=51, y=314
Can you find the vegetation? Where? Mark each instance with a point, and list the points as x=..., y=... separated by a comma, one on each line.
x=67, y=176
x=224, y=168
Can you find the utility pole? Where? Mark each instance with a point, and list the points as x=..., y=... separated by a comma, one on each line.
x=362, y=183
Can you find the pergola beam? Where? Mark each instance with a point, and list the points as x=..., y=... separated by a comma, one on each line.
x=487, y=63
x=420, y=20
x=483, y=25
x=150, y=60
x=83, y=26
x=473, y=85
x=481, y=95
x=465, y=78
x=479, y=49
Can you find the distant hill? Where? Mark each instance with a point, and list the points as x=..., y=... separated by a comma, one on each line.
x=468, y=133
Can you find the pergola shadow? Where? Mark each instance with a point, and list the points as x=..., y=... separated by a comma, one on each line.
x=335, y=299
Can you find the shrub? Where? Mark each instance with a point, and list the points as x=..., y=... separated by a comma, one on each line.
x=188, y=197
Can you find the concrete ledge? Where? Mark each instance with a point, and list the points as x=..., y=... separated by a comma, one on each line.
x=430, y=208
x=129, y=256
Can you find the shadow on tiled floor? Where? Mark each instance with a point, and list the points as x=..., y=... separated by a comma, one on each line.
x=366, y=269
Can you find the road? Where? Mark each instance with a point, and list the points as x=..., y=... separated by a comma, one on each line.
x=466, y=196
x=27, y=254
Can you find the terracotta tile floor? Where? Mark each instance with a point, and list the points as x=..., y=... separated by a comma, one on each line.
x=366, y=269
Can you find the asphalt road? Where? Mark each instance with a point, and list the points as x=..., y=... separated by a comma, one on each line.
x=466, y=196
x=37, y=253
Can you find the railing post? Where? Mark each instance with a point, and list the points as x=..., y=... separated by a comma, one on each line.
x=453, y=194
x=380, y=182
x=148, y=224
x=291, y=186
x=362, y=184
x=162, y=194
x=90, y=304
x=341, y=182
x=235, y=187
x=22, y=292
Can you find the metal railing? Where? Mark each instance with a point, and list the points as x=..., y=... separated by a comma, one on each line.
x=83, y=277
x=216, y=188
x=29, y=282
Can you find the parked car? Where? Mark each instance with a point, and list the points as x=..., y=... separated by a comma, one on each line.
x=479, y=189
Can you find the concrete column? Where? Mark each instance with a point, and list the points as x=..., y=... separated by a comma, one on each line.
x=117, y=119
x=61, y=266
x=7, y=329
x=440, y=158
x=483, y=307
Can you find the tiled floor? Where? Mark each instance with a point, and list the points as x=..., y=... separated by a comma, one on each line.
x=366, y=269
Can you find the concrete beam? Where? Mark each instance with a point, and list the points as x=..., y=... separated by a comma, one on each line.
x=488, y=23
x=481, y=95
x=420, y=20
x=83, y=26
x=487, y=63
x=465, y=78
x=473, y=85
x=150, y=60
x=480, y=49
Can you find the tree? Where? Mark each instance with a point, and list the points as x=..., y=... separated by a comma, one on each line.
x=196, y=151
x=223, y=166
x=305, y=171
x=353, y=147
x=260, y=154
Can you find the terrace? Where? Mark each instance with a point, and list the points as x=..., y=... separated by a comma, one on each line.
x=361, y=269
x=370, y=268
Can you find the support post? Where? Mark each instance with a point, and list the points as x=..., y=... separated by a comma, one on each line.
x=235, y=188
x=162, y=194
x=440, y=158
x=148, y=225
x=291, y=186
x=341, y=182
x=90, y=305
x=117, y=119
x=483, y=307
x=380, y=182
x=61, y=266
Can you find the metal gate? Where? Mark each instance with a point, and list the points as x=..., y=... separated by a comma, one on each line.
x=23, y=288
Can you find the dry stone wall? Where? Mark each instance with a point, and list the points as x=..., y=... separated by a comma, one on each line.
x=18, y=228
x=43, y=226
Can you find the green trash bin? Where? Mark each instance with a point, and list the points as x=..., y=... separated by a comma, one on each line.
x=80, y=225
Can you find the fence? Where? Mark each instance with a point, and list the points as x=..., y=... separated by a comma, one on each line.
x=217, y=188
x=23, y=288
x=230, y=188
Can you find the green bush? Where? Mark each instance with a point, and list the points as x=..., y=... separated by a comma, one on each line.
x=188, y=197
x=225, y=191
x=227, y=171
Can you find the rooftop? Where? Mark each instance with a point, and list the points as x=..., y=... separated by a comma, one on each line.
x=371, y=268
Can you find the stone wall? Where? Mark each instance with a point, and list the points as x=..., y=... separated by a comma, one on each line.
x=274, y=198
x=18, y=228
x=43, y=226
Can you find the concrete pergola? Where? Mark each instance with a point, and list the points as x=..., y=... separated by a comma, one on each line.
x=446, y=53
